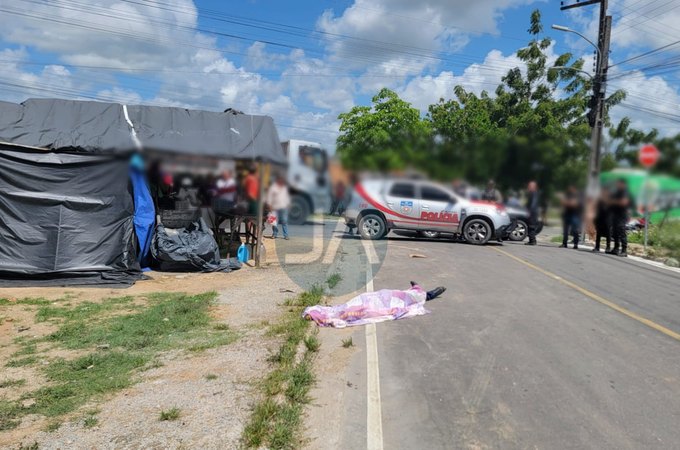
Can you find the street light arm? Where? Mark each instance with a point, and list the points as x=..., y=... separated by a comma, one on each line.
x=569, y=30
x=572, y=69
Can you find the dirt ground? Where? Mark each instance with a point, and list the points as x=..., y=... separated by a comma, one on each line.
x=213, y=411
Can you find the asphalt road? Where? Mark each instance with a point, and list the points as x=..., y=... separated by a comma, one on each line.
x=530, y=347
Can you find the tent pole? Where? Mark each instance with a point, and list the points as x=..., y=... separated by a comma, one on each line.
x=260, y=215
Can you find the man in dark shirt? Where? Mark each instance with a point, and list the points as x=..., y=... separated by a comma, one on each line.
x=571, y=216
x=533, y=206
x=619, y=202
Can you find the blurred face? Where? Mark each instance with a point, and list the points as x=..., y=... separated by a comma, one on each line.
x=226, y=174
x=532, y=186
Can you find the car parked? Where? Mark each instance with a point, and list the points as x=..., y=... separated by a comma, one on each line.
x=378, y=206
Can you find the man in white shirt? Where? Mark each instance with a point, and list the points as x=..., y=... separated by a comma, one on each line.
x=226, y=187
x=278, y=200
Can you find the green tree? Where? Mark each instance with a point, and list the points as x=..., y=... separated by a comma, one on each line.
x=388, y=135
x=533, y=127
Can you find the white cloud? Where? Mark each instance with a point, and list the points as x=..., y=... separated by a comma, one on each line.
x=102, y=32
x=415, y=31
x=426, y=90
x=17, y=83
x=644, y=94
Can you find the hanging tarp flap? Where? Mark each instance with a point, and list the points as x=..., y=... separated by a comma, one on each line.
x=65, y=219
x=95, y=127
x=145, y=214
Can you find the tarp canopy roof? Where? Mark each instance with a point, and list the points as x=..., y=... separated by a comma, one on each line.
x=87, y=126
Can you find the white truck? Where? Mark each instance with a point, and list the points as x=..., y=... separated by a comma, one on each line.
x=308, y=179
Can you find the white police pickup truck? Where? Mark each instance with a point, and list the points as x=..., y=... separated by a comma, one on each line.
x=378, y=206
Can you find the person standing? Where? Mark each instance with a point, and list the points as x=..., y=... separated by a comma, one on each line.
x=571, y=216
x=533, y=206
x=603, y=222
x=278, y=200
x=619, y=203
x=491, y=194
x=338, y=198
x=225, y=187
x=251, y=188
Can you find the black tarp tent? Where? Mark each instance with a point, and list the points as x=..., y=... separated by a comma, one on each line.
x=66, y=205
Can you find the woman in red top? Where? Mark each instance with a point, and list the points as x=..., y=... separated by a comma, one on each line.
x=251, y=186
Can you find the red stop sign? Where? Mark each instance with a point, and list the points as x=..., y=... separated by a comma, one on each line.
x=649, y=155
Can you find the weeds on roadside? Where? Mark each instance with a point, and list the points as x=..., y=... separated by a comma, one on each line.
x=210, y=377
x=312, y=343
x=91, y=420
x=275, y=421
x=170, y=414
x=333, y=280
x=53, y=426
x=347, y=343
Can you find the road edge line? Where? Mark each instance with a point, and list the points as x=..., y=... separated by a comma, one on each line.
x=374, y=434
x=593, y=296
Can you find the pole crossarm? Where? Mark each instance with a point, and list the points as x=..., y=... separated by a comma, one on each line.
x=578, y=4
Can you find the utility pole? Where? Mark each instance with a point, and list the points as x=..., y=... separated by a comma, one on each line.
x=597, y=103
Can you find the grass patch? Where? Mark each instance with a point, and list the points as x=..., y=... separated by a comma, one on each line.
x=10, y=412
x=28, y=348
x=133, y=342
x=312, y=343
x=347, y=343
x=24, y=301
x=333, y=280
x=556, y=239
x=276, y=420
x=33, y=446
x=12, y=383
x=53, y=426
x=90, y=419
x=170, y=414
x=210, y=377
x=22, y=362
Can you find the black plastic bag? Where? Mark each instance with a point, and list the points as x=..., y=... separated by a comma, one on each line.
x=189, y=249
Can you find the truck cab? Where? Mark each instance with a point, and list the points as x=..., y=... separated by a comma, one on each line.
x=308, y=179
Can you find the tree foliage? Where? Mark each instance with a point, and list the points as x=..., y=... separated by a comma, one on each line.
x=385, y=136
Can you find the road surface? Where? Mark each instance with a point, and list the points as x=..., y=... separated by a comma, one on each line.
x=530, y=347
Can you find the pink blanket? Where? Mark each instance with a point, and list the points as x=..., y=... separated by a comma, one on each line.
x=370, y=307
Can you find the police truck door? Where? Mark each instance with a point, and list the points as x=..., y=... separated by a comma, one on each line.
x=438, y=209
x=400, y=198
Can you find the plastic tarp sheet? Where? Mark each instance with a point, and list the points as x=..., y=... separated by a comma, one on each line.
x=370, y=307
x=95, y=127
x=190, y=249
x=144, y=217
x=65, y=219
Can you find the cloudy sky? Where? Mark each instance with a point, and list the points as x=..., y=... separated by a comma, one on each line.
x=303, y=62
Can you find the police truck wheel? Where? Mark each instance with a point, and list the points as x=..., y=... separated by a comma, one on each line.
x=372, y=226
x=477, y=232
x=520, y=231
x=299, y=210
